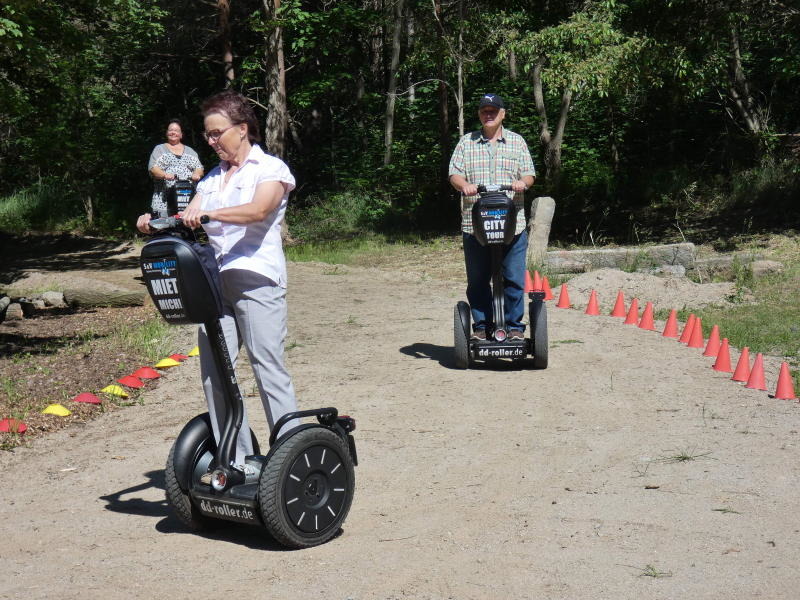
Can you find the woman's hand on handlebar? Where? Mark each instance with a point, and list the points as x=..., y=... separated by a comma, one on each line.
x=191, y=217
x=143, y=223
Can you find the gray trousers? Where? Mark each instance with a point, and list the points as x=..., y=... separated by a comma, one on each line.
x=254, y=314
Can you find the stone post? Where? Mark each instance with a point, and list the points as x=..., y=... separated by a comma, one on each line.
x=542, y=210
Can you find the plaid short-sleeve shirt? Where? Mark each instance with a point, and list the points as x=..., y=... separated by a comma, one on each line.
x=483, y=163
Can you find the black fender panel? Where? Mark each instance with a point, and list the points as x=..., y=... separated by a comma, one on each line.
x=195, y=438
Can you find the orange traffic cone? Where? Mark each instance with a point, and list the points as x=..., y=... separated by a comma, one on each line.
x=633, y=313
x=671, y=327
x=537, y=282
x=647, y=318
x=563, y=297
x=687, y=330
x=548, y=293
x=696, y=340
x=593, y=308
x=742, y=371
x=528, y=282
x=712, y=348
x=756, y=380
x=619, y=305
x=723, y=362
x=785, y=389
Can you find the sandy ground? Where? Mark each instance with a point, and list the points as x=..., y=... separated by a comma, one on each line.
x=627, y=469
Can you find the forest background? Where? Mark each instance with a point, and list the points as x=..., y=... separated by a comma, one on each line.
x=647, y=119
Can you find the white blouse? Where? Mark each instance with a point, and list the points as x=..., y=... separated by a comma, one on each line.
x=254, y=247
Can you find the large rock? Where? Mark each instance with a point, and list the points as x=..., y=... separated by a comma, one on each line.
x=542, y=210
x=723, y=265
x=630, y=259
x=761, y=268
x=54, y=299
x=14, y=312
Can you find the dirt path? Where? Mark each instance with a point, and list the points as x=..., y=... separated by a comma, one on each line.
x=627, y=469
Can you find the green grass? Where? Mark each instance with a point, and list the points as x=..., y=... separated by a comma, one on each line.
x=338, y=252
x=42, y=206
x=366, y=250
x=765, y=312
x=151, y=339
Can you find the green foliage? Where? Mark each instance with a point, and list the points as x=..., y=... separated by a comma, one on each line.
x=342, y=215
x=43, y=206
x=655, y=143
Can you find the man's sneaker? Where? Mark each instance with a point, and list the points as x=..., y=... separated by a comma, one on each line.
x=478, y=334
x=516, y=334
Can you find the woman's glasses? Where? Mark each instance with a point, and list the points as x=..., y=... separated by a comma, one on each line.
x=213, y=136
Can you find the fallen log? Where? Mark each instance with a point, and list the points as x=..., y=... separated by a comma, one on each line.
x=94, y=297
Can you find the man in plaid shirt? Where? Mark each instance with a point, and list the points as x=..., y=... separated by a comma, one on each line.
x=493, y=156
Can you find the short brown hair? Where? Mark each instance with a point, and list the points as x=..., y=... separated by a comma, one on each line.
x=235, y=107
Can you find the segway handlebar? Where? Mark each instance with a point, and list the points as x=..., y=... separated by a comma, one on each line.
x=165, y=223
x=483, y=189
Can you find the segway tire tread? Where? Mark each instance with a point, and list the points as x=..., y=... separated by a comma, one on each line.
x=461, y=334
x=180, y=502
x=539, y=341
x=277, y=478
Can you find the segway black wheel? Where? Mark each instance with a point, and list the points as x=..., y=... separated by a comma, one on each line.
x=539, y=342
x=306, y=488
x=461, y=329
x=179, y=500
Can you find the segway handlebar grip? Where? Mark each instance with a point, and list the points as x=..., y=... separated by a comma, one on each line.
x=482, y=189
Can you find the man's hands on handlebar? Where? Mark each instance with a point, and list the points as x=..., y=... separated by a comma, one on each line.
x=517, y=186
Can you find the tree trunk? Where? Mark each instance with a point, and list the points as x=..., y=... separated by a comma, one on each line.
x=376, y=47
x=444, y=114
x=739, y=88
x=612, y=136
x=512, y=65
x=275, y=85
x=410, y=33
x=87, y=297
x=224, y=8
x=391, y=97
x=550, y=142
x=88, y=208
x=460, y=68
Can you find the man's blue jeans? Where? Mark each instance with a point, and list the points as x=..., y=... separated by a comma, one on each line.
x=479, y=274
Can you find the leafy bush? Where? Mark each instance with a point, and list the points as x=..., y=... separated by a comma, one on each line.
x=47, y=205
x=340, y=215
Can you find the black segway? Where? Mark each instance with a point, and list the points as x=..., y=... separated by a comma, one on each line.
x=178, y=196
x=494, y=222
x=302, y=489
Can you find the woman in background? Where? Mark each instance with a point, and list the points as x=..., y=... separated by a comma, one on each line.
x=170, y=161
